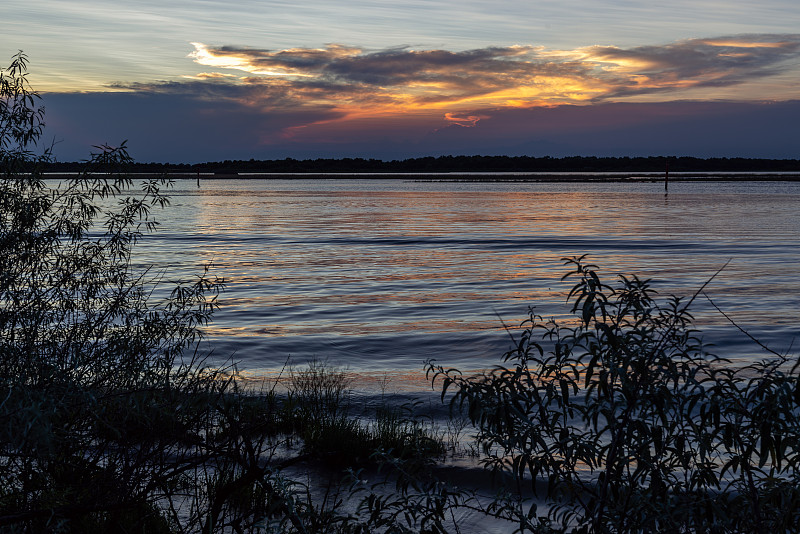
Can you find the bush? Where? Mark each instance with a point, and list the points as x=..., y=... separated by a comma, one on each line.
x=109, y=419
x=624, y=423
x=102, y=395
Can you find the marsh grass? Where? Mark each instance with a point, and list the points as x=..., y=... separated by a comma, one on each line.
x=322, y=413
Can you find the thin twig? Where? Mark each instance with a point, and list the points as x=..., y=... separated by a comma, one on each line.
x=742, y=330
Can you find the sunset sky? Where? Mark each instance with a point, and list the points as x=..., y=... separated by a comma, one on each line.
x=204, y=80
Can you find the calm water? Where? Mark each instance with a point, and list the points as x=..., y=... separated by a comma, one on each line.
x=378, y=276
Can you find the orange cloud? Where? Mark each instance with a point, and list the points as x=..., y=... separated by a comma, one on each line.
x=326, y=86
x=210, y=76
x=360, y=83
x=468, y=121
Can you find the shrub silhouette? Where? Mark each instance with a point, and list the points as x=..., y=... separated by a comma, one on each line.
x=630, y=425
x=101, y=391
x=109, y=419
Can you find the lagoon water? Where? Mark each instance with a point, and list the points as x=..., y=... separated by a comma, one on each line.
x=377, y=276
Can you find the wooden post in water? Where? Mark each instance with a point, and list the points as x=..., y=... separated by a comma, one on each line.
x=666, y=178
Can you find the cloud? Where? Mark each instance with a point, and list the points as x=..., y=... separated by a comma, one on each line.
x=719, y=62
x=171, y=127
x=210, y=75
x=349, y=101
x=351, y=83
x=464, y=120
x=513, y=76
x=399, y=78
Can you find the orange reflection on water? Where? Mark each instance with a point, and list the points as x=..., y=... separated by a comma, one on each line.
x=316, y=266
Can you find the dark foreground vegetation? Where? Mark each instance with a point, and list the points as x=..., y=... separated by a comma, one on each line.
x=111, y=420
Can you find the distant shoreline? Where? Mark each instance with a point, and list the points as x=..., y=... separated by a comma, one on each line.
x=456, y=167
x=506, y=177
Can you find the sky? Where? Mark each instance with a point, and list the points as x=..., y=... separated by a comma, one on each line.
x=202, y=80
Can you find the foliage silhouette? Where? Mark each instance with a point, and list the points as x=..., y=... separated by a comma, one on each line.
x=631, y=424
x=102, y=394
x=109, y=418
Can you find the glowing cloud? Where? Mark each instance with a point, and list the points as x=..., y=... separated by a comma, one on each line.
x=467, y=121
x=694, y=63
x=210, y=76
x=284, y=63
x=360, y=82
x=322, y=87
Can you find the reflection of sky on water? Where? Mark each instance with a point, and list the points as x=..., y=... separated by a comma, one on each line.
x=379, y=276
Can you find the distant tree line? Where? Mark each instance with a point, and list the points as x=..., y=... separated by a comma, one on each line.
x=461, y=164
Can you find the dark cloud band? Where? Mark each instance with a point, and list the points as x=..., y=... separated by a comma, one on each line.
x=321, y=96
